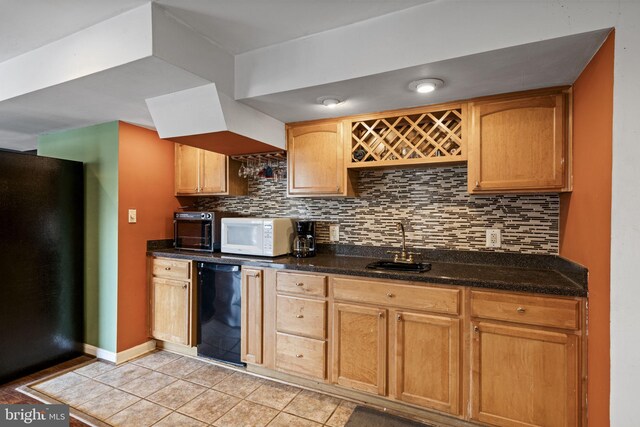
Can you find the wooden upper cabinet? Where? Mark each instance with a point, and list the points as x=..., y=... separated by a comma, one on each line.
x=187, y=169
x=524, y=376
x=360, y=347
x=519, y=145
x=213, y=173
x=206, y=173
x=316, y=160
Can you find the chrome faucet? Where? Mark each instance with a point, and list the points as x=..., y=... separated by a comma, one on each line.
x=402, y=256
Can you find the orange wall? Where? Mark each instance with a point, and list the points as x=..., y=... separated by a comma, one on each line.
x=585, y=214
x=145, y=183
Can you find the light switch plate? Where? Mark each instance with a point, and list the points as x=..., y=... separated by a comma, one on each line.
x=334, y=232
x=133, y=216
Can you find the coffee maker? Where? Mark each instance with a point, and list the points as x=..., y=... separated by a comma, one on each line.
x=304, y=244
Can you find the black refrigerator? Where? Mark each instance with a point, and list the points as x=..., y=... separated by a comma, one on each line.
x=41, y=262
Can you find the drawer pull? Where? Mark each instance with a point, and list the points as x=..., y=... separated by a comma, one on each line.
x=520, y=309
x=390, y=295
x=299, y=356
x=299, y=284
x=167, y=268
x=299, y=316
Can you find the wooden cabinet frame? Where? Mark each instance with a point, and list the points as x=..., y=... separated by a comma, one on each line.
x=251, y=319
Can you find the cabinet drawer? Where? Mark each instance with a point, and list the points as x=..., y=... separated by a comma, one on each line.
x=298, y=355
x=437, y=300
x=302, y=284
x=541, y=311
x=172, y=268
x=300, y=316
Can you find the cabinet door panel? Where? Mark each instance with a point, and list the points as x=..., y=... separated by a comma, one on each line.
x=251, y=324
x=213, y=178
x=187, y=169
x=360, y=347
x=427, y=360
x=518, y=145
x=524, y=376
x=316, y=159
x=170, y=310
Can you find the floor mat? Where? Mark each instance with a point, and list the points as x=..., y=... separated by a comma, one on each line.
x=363, y=416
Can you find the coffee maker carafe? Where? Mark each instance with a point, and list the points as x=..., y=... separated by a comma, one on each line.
x=304, y=244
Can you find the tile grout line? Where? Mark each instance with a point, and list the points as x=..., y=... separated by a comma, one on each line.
x=231, y=372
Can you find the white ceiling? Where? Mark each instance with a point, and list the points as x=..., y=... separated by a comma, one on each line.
x=553, y=62
x=115, y=94
x=28, y=24
x=242, y=25
x=119, y=93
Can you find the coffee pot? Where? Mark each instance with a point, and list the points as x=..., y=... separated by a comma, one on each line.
x=304, y=243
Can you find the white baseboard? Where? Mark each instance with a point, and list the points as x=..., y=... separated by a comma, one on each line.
x=121, y=357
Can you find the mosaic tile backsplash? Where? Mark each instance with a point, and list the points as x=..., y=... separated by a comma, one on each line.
x=431, y=202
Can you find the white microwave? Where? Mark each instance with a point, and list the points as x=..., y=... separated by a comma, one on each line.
x=256, y=236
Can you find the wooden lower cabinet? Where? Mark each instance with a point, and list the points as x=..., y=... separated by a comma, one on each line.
x=524, y=376
x=171, y=310
x=172, y=301
x=252, y=321
x=300, y=355
x=494, y=358
x=360, y=347
x=427, y=360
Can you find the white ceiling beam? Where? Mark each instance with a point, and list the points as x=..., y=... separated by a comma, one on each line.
x=122, y=39
x=424, y=34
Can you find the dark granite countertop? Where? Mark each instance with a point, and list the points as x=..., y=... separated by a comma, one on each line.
x=512, y=272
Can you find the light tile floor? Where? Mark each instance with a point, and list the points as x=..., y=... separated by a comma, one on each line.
x=168, y=390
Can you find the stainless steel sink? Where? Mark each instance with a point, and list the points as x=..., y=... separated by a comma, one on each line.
x=417, y=267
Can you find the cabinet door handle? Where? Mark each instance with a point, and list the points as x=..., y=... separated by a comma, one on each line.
x=299, y=316
x=256, y=274
x=521, y=309
x=299, y=356
x=476, y=329
x=477, y=184
x=337, y=188
x=184, y=286
x=399, y=317
x=299, y=284
x=381, y=315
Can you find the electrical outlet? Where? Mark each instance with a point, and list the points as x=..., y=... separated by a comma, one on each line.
x=493, y=238
x=334, y=232
x=133, y=216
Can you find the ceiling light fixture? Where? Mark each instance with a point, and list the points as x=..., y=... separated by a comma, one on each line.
x=329, y=101
x=425, y=85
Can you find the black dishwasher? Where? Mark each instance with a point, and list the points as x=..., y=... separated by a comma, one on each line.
x=219, y=293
